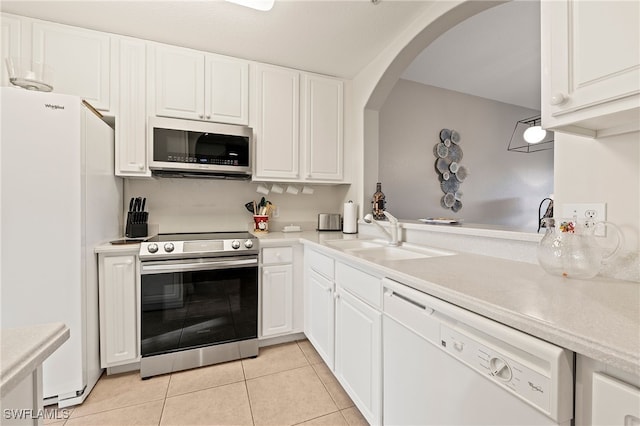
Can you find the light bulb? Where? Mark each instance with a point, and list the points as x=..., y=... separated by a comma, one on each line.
x=534, y=134
x=263, y=5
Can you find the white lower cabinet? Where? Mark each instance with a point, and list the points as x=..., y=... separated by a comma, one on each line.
x=118, y=283
x=358, y=347
x=281, y=291
x=319, y=315
x=319, y=312
x=277, y=300
x=343, y=321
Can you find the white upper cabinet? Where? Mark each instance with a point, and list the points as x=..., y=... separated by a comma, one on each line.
x=11, y=36
x=226, y=90
x=276, y=122
x=298, y=131
x=197, y=86
x=131, y=113
x=80, y=60
x=322, y=127
x=591, y=66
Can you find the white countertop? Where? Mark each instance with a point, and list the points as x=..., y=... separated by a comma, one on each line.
x=23, y=349
x=598, y=318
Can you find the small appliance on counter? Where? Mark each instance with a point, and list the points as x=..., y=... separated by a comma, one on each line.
x=329, y=222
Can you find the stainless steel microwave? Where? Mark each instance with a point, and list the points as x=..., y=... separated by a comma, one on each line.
x=187, y=148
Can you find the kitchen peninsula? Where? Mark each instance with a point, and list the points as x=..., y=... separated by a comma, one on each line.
x=23, y=351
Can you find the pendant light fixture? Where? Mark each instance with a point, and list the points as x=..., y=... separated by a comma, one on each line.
x=529, y=136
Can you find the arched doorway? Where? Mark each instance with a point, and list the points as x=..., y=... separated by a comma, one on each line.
x=373, y=84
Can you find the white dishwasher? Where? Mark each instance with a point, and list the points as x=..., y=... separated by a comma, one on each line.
x=444, y=365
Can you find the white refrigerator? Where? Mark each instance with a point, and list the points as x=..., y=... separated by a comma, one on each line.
x=60, y=198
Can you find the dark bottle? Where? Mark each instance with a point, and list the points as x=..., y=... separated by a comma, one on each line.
x=378, y=203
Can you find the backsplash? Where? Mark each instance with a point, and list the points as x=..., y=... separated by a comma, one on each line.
x=203, y=205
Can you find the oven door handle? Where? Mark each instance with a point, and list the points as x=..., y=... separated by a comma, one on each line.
x=161, y=268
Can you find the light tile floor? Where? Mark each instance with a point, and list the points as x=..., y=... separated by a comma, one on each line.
x=286, y=384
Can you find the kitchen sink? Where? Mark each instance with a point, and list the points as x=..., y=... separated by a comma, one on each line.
x=356, y=244
x=379, y=250
x=397, y=253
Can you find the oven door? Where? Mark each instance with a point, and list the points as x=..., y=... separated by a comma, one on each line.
x=192, y=303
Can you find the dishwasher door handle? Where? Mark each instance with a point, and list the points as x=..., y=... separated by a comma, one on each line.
x=408, y=300
x=426, y=309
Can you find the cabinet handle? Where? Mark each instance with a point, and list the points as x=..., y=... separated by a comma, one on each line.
x=140, y=166
x=558, y=98
x=336, y=295
x=266, y=273
x=208, y=116
x=128, y=262
x=201, y=115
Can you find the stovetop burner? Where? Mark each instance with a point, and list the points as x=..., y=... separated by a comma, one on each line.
x=198, y=244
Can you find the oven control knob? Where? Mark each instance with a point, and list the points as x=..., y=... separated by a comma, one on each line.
x=248, y=244
x=168, y=247
x=235, y=244
x=152, y=248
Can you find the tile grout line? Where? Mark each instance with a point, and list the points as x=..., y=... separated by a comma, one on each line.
x=246, y=389
x=164, y=401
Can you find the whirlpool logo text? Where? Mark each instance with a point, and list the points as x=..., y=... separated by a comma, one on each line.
x=53, y=107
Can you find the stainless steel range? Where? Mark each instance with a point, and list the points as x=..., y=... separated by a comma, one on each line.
x=199, y=300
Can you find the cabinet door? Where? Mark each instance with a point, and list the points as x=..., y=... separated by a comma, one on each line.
x=80, y=60
x=227, y=90
x=179, y=83
x=118, y=310
x=276, y=123
x=131, y=153
x=319, y=315
x=591, y=66
x=358, y=353
x=322, y=128
x=11, y=28
x=277, y=300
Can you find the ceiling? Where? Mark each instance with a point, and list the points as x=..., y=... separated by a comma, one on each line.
x=330, y=37
x=494, y=54
x=481, y=56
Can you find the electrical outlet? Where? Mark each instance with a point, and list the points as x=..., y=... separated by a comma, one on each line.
x=276, y=212
x=587, y=211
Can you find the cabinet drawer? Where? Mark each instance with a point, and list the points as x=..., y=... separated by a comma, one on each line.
x=363, y=285
x=320, y=263
x=272, y=255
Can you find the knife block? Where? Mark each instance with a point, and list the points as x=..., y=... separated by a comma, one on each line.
x=136, y=228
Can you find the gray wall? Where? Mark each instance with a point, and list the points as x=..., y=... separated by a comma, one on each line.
x=503, y=188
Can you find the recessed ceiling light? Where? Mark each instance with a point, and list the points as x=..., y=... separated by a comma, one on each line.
x=263, y=5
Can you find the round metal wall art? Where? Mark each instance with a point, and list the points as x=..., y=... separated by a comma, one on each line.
x=451, y=173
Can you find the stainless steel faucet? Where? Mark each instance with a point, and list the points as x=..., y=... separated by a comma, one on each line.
x=394, y=235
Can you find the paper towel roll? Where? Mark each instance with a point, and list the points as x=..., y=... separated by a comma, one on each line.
x=350, y=218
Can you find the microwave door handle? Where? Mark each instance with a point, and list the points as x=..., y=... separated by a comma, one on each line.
x=161, y=268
